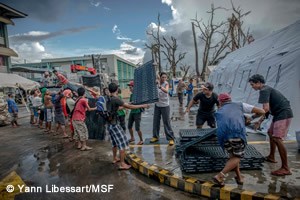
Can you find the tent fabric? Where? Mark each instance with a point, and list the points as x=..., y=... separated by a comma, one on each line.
x=10, y=80
x=145, y=88
x=277, y=58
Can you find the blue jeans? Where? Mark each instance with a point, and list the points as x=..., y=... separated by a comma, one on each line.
x=190, y=97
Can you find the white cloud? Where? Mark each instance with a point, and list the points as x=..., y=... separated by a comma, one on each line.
x=168, y=2
x=117, y=32
x=96, y=4
x=123, y=38
x=31, y=52
x=106, y=8
x=115, y=28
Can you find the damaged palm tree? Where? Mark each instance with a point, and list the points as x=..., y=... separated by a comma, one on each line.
x=170, y=48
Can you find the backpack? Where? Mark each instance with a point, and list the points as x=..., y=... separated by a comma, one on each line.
x=68, y=109
x=71, y=113
x=53, y=98
x=104, y=108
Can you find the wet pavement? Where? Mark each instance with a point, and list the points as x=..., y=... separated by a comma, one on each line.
x=41, y=159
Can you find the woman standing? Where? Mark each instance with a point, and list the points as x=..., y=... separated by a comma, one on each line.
x=162, y=108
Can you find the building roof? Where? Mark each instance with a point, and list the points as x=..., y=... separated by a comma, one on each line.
x=29, y=69
x=10, y=13
x=86, y=57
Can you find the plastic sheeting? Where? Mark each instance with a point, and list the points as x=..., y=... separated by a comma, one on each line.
x=91, y=80
x=94, y=123
x=277, y=58
x=75, y=87
x=145, y=88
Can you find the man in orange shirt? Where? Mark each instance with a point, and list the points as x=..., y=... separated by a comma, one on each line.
x=63, y=80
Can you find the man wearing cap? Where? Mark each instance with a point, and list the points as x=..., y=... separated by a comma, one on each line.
x=231, y=133
x=279, y=107
x=208, y=100
x=135, y=117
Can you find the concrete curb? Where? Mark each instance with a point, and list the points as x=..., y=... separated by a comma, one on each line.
x=192, y=185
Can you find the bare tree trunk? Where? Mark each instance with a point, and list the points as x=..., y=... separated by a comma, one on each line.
x=158, y=39
x=196, y=51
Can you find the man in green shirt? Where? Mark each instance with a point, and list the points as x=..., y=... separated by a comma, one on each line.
x=122, y=114
x=135, y=116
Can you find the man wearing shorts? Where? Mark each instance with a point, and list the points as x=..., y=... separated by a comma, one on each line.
x=135, y=117
x=78, y=120
x=208, y=99
x=231, y=133
x=48, y=111
x=59, y=115
x=279, y=107
x=117, y=136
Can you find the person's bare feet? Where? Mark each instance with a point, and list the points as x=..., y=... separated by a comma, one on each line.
x=116, y=160
x=86, y=148
x=124, y=167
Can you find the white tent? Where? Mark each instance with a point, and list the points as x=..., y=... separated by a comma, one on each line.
x=277, y=58
x=10, y=80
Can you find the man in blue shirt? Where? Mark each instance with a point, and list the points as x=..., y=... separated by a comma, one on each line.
x=190, y=92
x=231, y=133
x=13, y=110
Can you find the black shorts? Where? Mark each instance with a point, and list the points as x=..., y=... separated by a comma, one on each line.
x=202, y=118
x=42, y=115
x=136, y=118
x=236, y=146
x=122, y=122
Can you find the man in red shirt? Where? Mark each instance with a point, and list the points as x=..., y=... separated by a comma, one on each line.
x=78, y=120
x=63, y=80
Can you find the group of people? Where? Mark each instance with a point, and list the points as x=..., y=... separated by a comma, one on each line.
x=230, y=118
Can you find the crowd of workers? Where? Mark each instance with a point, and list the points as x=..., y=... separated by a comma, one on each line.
x=230, y=118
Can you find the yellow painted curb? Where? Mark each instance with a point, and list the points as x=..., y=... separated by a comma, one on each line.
x=193, y=185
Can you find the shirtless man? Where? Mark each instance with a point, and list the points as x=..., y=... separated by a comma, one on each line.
x=48, y=111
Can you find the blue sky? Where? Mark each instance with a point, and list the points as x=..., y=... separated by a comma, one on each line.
x=131, y=18
x=65, y=28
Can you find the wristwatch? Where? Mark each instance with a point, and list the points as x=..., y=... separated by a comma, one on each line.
x=159, y=87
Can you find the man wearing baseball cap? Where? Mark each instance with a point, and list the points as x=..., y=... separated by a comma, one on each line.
x=135, y=117
x=208, y=99
x=231, y=133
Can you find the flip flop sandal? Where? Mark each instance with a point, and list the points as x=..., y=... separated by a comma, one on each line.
x=217, y=182
x=125, y=168
x=131, y=140
x=281, y=173
x=267, y=159
x=238, y=182
x=141, y=143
